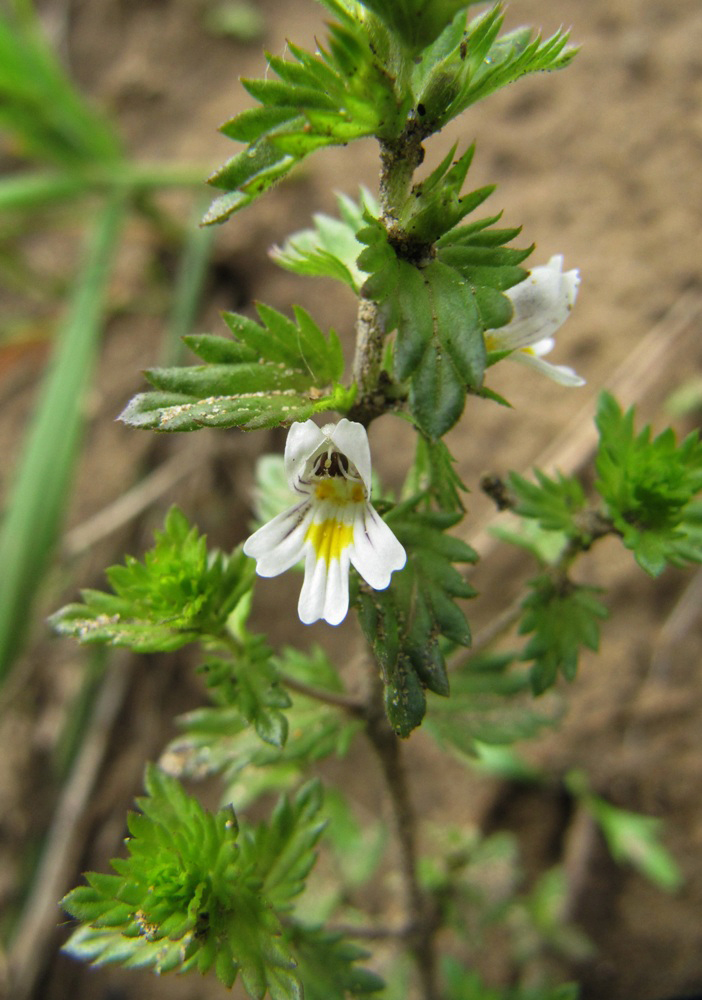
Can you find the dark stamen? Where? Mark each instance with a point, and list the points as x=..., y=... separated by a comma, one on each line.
x=331, y=464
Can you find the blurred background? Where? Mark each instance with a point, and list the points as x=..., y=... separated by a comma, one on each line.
x=109, y=112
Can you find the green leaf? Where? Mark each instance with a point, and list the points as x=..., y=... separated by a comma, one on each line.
x=440, y=285
x=330, y=249
x=488, y=705
x=250, y=682
x=417, y=22
x=274, y=372
x=433, y=474
x=282, y=852
x=632, y=838
x=220, y=741
x=190, y=894
x=404, y=623
x=452, y=355
x=462, y=67
x=562, y=617
x=341, y=93
x=649, y=486
x=327, y=965
x=177, y=595
x=553, y=502
x=435, y=205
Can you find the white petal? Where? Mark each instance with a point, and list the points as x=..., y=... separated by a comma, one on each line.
x=376, y=553
x=541, y=303
x=325, y=591
x=558, y=373
x=279, y=544
x=304, y=438
x=541, y=347
x=336, y=599
x=351, y=439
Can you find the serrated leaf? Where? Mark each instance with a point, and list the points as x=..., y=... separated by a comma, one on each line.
x=561, y=617
x=202, y=894
x=274, y=372
x=463, y=67
x=432, y=473
x=552, y=501
x=488, y=705
x=649, y=486
x=249, y=681
x=177, y=595
x=327, y=964
x=219, y=741
x=404, y=623
x=330, y=249
x=440, y=296
x=340, y=93
x=446, y=352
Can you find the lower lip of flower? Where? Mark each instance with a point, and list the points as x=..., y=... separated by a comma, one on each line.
x=340, y=490
x=329, y=538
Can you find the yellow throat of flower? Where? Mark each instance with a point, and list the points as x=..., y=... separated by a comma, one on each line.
x=329, y=538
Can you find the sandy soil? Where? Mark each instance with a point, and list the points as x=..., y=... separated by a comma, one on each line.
x=601, y=163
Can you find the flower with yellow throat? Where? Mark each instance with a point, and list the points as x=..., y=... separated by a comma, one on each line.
x=333, y=526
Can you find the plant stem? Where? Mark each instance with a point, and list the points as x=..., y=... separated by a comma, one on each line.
x=421, y=914
x=335, y=698
x=399, y=159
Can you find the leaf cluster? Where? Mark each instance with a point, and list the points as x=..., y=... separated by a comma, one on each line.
x=388, y=70
x=560, y=616
x=467, y=63
x=270, y=373
x=197, y=892
x=489, y=703
x=553, y=501
x=179, y=594
x=219, y=740
x=247, y=686
x=440, y=285
x=341, y=93
x=410, y=624
x=649, y=486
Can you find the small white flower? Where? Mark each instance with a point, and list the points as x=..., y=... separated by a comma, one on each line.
x=542, y=304
x=333, y=526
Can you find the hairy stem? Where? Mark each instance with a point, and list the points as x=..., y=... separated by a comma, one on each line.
x=421, y=914
x=399, y=159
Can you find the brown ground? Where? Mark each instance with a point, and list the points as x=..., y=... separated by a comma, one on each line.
x=601, y=163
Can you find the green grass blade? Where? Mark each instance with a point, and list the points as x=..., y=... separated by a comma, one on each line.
x=43, y=479
x=192, y=272
x=30, y=190
x=48, y=118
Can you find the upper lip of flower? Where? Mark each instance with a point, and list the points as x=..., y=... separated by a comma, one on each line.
x=541, y=305
x=333, y=526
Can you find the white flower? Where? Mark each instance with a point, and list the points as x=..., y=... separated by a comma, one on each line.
x=333, y=526
x=542, y=304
